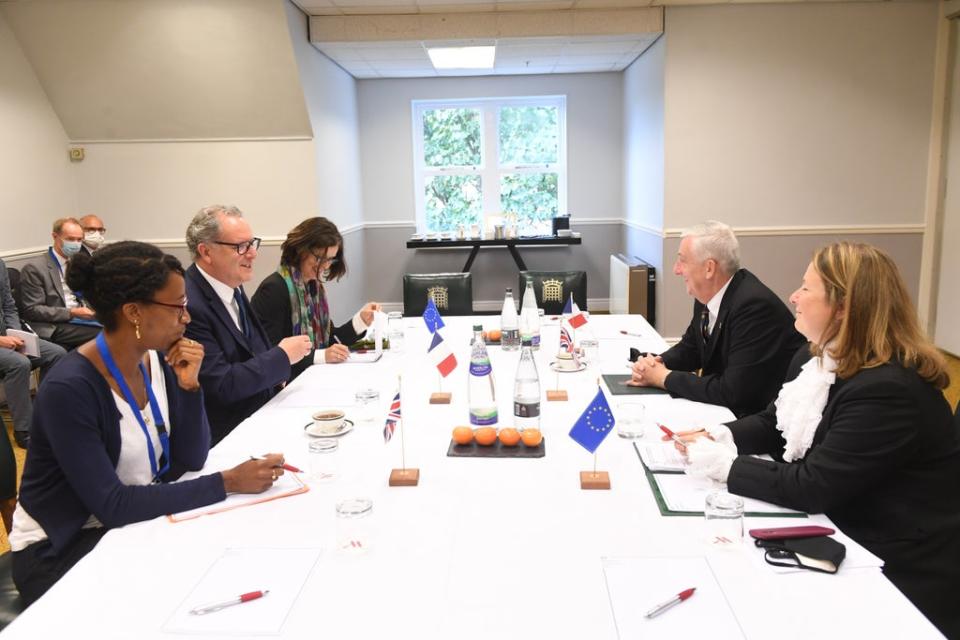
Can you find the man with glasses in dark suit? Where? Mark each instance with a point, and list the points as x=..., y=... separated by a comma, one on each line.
x=241, y=371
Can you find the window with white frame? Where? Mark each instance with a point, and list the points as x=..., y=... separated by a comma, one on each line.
x=484, y=161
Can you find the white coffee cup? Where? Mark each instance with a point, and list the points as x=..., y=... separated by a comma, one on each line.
x=565, y=362
x=328, y=421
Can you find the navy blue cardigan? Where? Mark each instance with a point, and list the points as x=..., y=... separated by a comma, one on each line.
x=70, y=472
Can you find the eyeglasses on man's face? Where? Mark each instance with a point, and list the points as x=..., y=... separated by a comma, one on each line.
x=181, y=308
x=241, y=247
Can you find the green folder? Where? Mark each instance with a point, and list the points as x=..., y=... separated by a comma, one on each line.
x=666, y=511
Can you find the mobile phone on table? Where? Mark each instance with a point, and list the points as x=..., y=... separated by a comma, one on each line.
x=786, y=533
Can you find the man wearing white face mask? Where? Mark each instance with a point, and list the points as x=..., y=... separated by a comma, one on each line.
x=55, y=311
x=94, y=233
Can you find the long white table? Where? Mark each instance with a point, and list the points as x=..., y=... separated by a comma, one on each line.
x=482, y=548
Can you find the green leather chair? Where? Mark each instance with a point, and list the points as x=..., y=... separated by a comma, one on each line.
x=451, y=292
x=553, y=288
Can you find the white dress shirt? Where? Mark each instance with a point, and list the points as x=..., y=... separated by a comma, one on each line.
x=713, y=306
x=225, y=293
x=69, y=297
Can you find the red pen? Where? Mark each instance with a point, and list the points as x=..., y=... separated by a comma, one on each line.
x=284, y=466
x=216, y=606
x=671, y=435
x=675, y=600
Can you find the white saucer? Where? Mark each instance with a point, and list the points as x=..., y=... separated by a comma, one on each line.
x=311, y=429
x=581, y=366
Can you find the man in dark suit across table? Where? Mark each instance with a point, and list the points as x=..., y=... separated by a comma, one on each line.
x=54, y=311
x=240, y=371
x=741, y=337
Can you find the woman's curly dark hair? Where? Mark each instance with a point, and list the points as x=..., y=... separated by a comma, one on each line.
x=120, y=273
x=314, y=235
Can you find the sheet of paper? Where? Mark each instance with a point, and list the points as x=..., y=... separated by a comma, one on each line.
x=682, y=492
x=661, y=456
x=377, y=332
x=31, y=342
x=637, y=584
x=289, y=484
x=282, y=572
x=315, y=397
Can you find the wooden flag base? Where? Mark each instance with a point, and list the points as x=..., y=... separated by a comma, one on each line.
x=557, y=395
x=594, y=480
x=440, y=397
x=404, y=477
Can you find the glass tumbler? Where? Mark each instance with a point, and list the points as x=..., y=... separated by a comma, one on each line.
x=353, y=526
x=630, y=420
x=395, y=331
x=367, y=401
x=324, y=461
x=723, y=514
x=590, y=347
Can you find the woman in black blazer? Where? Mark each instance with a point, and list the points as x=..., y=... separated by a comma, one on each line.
x=293, y=300
x=860, y=431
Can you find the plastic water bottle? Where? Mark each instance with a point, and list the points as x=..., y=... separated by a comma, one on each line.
x=509, y=329
x=526, y=391
x=530, y=317
x=480, y=387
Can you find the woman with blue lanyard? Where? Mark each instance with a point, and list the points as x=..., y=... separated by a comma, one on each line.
x=115, y=421
x=293, y=300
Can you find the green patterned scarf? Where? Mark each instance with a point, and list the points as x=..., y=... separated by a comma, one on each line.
x=310, y=304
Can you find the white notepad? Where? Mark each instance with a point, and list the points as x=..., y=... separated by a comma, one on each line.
x=661, y=456
x=377, y=332
x=31, y=342
x=637, y=584
x=283, y=572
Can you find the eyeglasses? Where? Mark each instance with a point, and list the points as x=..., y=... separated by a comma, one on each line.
x=100, y=229
x=325, y=262
x=181, y=308
x=241, y=247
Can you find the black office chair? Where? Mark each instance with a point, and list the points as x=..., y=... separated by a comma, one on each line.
x=451, y=292
x=553, y=288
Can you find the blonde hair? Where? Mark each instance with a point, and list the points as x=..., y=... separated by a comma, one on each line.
x=878, y=322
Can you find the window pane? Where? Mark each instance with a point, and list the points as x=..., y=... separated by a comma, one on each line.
x=451, y=137
x=532, y=197
x=529, y=135
x=452, y=201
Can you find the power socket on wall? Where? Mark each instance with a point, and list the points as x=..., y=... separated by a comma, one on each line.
x=76, y=154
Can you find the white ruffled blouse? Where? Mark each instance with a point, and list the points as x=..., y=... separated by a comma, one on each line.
x=801, y=402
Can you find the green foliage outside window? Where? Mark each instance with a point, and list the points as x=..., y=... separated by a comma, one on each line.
x=453, y=201
x=529, y=135
x=531, y=197
x=451, y=137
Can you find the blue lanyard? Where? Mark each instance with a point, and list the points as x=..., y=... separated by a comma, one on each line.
x=154, y=408
x=77, y=294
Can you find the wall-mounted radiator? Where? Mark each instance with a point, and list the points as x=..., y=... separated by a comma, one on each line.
x=633, y=286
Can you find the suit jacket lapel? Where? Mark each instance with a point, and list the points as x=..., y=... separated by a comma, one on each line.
x=53, y=272
x=219, y=310
x=722, y=316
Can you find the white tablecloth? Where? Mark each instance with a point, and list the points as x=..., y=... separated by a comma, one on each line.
x=482, y=548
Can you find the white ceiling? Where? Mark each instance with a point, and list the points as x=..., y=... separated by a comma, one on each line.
x=514, y=56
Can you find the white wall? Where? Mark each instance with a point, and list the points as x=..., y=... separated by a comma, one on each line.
x=798, y=114
x=331, y=98
x=594, y=137
x=164, y=70
x=38, y=185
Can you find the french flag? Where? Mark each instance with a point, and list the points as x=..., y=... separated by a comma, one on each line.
x=442, y=357
x=571, y=309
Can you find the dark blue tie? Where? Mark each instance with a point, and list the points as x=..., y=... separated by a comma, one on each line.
x=242, y=312
x=705, y=324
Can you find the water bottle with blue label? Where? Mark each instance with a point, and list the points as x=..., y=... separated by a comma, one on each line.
x=480, y=388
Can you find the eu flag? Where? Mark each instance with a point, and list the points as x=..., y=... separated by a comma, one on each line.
x=594, y=423
x=432, y=317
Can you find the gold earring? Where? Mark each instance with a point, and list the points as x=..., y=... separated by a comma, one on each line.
x=136, y=328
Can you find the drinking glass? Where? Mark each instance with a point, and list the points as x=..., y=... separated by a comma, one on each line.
x=590, y=347
x=630, y=420
x=367, y=401
x=324, y=463
x=723, y=514
x=395, y=331
x=353, y=527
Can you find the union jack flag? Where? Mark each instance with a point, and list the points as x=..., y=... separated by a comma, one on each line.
x=392, y=418
x=566, y=344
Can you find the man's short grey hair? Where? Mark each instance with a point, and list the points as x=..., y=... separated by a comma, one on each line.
x=205, y=226
x=713, y=239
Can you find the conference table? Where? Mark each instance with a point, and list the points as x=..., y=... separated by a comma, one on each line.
x=480, y=548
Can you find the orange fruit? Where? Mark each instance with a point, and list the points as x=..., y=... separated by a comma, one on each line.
x=485, y=436
x=493, y=335
x=509, y=437
x=463, y=435
x=531, y=437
